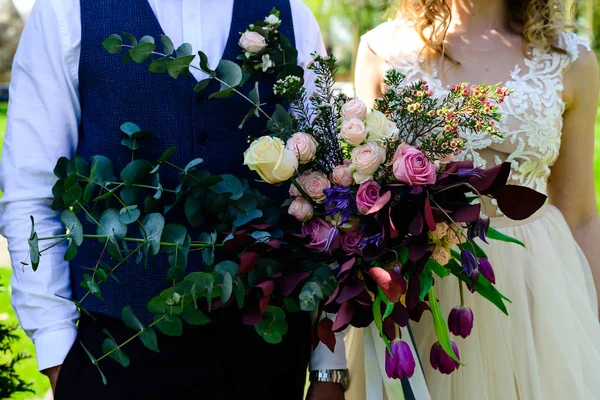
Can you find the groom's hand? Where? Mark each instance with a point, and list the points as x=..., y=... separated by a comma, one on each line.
x=325, y=391
x=52, y=374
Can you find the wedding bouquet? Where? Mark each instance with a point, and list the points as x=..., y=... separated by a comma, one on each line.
x=379, y=196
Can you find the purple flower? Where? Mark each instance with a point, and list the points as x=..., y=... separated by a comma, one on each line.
x=460, y=321
x=469, y=262
x=401, y=363
x=485, y=267
x=339, y=200
x=441, y=361
x=351, y=241
x=376, y=240
x=366, y=197
x=470, y=172
x=480, y=228
x=325, y=237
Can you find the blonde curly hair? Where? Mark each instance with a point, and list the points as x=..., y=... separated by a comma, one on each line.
x=539, y=22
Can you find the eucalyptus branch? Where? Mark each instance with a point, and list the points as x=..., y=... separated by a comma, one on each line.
x=125, y=343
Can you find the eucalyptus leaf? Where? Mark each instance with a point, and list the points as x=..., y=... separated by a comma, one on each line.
x=202, y=85
x=130, y=320
x=184, y=50
x=230, y=184
x=131, y=38
x=179, y=66
x=142, y=52
x=193, y=316
x=204, y=63
x=112, y=349
x=34, y=251
x=153, y=228
x=71, y=252
x=172, y=328
x=129, y=215
x=95, y=362
x=310, y=296
x=229, y=73
x=146, y=39
x=227, y=267
x=149, y=339
x=227, y=287
x=157, y=305
x=111, y=226
x=167, y=44
x=129, y=128
x=113, y=44
x=72, y=223
x=158, y=66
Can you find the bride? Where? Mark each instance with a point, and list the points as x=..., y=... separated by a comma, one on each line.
x=549, y=346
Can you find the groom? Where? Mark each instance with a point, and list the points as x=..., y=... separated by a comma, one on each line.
x=69, y=96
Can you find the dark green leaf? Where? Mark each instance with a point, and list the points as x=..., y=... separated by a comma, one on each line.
x=179, y=66
x=111, y=226
x=146, y=39
x=426, y=280
x=440, y=327
x=60, y=170
x=34, y=251
x=113, y=44
x=240, y=291
x=153, y=227
x=158, y=66
x=149, y=339
x=142, y=52
x=192, y=165
x=95, y=362
x=204, y=63
x=202, y=85
x=223, y=94
x=227, y=287
x=157, y=305
x=497, y=235
x=193, y=316
x=184, y=50
x=291, y=305
x=135, y=171
x=71, y=252
x=112, y=349
x=438, y=269
x=173, y=327
x=71, y=222
x=131, y=38
x=244, y=218
x=230, y=74
x=230, y=184
x=129, y=215
x=72, y=195
x=167, y=45
x=310, y=296
x=129, y=128
x=226, y=267
x=130, y=320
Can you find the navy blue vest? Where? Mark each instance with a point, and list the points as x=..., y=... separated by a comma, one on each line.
x=112, y=93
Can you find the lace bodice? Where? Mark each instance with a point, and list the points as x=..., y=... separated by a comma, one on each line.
x=532, y=115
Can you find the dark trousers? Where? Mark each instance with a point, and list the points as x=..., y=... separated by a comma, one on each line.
x=223, y=361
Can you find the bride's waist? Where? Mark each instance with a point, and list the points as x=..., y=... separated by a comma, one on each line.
x=505, y=222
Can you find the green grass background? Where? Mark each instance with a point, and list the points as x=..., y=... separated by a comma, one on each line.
x=28, y=369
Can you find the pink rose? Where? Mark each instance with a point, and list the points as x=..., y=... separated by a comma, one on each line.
x=294, y=192
x=367, y=196
x=366, y=159
x=252, y=42
x=324, y=236
x=351, y=241
x=413, y=168
x=441, y=255
x=301, y=209
x=303, y=145
x=314, y=183
x=399, y=151
x=341, y=176
x=354, y=132
x=354, y=109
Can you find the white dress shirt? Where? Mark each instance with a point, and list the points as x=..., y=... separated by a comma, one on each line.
x=43, y=118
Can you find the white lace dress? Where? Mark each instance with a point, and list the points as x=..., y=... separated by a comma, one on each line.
x=549, y=346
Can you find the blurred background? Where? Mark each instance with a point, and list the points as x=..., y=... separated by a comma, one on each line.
x=342, y=22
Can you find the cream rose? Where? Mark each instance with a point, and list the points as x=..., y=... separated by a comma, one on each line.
x=354, y=109
x=314, y=183
x=353, y=132
x=303, y=145
x=441, y=230
x=271, y=160
x=252, y=42
x=379, y=127
x=455, y=238
x=441, y=255
x=367, y=158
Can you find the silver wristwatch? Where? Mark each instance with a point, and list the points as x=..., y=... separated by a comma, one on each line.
x=339, y=376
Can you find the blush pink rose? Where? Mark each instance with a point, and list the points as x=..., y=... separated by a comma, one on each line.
x=399, y=151
x=324, y=237
x=341, y=176
x=301, y=209
x=313, y=184
x=441, y=255
x=413, y=168
x=367, y=196
x=354, y=109
x=252, y=42
x=303, y=145
x=351, y=241
x=354, y=132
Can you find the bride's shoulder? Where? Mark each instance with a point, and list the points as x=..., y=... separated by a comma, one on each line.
x=575, y=46
x=391, y=39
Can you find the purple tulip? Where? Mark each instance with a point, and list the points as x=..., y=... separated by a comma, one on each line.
x=460, y=321
x=441, y=361
x=480, y=228
x=485, y=267
x=469, y=262
x=401, y=364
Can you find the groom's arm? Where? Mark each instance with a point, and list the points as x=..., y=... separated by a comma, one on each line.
x=42, y=126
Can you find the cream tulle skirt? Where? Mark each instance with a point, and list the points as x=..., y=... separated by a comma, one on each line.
x=549, y=346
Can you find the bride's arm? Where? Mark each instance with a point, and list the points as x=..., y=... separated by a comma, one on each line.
x=571, y=185
x=369, y=72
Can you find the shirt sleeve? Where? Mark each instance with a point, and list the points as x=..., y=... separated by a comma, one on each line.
x=309, y=40
x=42, y=126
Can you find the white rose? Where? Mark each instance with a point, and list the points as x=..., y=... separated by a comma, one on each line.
x=379, y=127
x=272, y=19
x=354, y=109
x=252, y=42
x=366, y=159
x=353, y=132
x=303, y=145
x=271, y=160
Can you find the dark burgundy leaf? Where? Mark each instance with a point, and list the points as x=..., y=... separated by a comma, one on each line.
x=519, y=202
x=389, y=328
x=429, y=215
x=412, y=295
x=396, y=274
x=347, y=266
x=344, y=316
x=291, y=281
x=326, y=334
x=333, y=295
x=247, y=263
x=274, y=244
x=417, y=312
x=418, y=247
x=253, y=316
x=467, y=213
x=351, y=290
x=492, y=180
x=239, y=242
x=261, y=227
x=393, y=230
x=263, y=303
x=416, y=226
x=400, y=315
